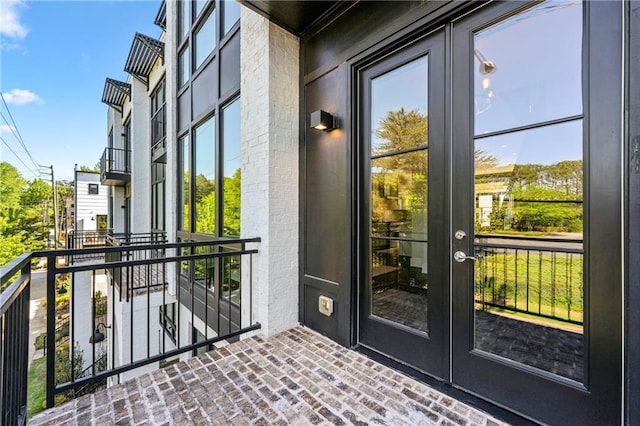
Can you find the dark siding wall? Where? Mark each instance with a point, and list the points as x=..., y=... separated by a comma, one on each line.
x=327, y=198
x=326, y=262
x=633, y=215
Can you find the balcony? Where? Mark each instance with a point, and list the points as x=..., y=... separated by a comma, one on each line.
x=115, y=167
x=112, y=313
x=124, y=315
x=297, y=376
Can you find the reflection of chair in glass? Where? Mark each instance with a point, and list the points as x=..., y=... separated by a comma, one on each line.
x=384, y=264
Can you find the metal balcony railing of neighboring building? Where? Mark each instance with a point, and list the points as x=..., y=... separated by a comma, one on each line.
x=213, y=278
x=86, y=240
x=115, y=166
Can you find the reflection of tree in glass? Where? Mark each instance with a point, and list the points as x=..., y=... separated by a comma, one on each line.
x=484, y=161
x=205, y=201
x=231, y=193
x=186, y=211
x=399, y=178
x=545, y=198
x=401, y=130
x=564, y=177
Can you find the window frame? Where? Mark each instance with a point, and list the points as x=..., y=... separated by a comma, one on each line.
x=93, y=189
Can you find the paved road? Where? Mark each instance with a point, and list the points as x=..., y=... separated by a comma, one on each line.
x=38, y=285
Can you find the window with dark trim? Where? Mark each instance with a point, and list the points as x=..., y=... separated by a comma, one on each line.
x=158, y=156
x=168, y=320
x=158, y=114
x=208, y=134
x=230, y=15
x=204, y=40
x=94, y=189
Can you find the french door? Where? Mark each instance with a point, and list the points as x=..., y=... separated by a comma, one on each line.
x=490, y=207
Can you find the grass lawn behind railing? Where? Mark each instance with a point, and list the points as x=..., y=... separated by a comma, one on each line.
x=532, y=281
x=36, y=386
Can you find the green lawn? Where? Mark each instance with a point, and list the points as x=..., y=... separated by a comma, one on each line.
x=36, y=386
x=536, y=282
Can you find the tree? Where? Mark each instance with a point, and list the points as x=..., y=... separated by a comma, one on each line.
x=21, y=227
x=94, y=169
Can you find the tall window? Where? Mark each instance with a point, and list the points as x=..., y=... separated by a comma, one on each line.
x=209, y=141
x=204, y=40
x=184, y=18
x=184, y=188
x=157, y=196
x=158, y=115
x=230, y=14
x=205, y=178
x=231, y=168
x=208, y=134
x=183, y=67
x=158, y=156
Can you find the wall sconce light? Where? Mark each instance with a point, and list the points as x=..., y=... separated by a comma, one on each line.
x=322, y=120
x=93, y=218
x=98, y=336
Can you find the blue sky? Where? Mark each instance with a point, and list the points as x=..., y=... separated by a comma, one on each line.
x=54, y=58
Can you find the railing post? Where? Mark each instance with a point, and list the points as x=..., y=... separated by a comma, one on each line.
x=51, y=330
x=23, y=344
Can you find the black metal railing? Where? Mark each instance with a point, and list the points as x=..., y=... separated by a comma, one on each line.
x=115, y=160
x=129, y=279
x=86, y=239
x=15, y=282
x=537, y=276
x=133, y=322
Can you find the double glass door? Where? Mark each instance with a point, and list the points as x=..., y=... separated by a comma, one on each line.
x=484, y=230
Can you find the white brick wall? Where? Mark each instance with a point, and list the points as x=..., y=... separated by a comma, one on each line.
x=140, y=158
x=269, y=108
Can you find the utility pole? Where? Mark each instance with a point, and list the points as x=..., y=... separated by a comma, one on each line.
x=55, y=205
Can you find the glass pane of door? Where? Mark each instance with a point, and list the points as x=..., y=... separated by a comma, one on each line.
x=399, y=184
x=528, y=192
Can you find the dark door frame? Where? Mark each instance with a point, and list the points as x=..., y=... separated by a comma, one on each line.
x=603, y=126
x=426, y=353
x=600, y=397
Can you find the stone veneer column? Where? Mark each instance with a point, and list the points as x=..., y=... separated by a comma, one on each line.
x=269, y=97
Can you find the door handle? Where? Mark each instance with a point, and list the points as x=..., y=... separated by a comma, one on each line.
x=461, y=256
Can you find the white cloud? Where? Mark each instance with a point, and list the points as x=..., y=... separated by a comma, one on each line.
x=21, y=97
x=10, y=25
x=6, y=129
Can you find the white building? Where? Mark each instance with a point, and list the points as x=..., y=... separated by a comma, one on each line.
x=90, y=199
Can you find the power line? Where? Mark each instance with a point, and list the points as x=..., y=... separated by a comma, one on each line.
x=36, y=174
x=15, y=130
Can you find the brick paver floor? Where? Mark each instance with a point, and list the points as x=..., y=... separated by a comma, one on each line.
x=296, y=377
